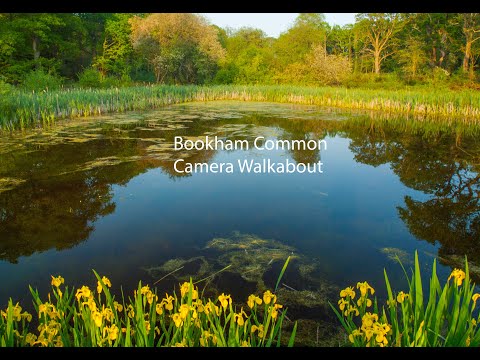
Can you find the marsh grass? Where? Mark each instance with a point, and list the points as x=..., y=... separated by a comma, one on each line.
x=21, y=109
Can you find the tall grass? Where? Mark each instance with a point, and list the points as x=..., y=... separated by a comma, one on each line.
x=20, y=109
x=444, y=316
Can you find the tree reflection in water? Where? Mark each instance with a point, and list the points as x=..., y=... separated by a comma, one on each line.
x=441, y=166
x=62, y=197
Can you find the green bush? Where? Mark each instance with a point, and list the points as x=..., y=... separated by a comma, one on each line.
x=113, y=81
x=5, y=88
x=39, y=80
x=90, y=78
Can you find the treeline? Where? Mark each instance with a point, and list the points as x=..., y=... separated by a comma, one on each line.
x=102, y=50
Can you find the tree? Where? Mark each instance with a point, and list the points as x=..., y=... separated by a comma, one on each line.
x=181, y=48
x=328, y=69
x=412, y=57
x=117, y=48
x=471, y=30
x=249, y=57
x=379, y=29
x=293, y=45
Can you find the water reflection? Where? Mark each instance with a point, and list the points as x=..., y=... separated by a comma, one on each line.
x=69, y=172
x=444, y=168
x=66, y=174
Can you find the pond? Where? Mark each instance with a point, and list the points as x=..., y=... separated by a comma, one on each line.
x=104, y=194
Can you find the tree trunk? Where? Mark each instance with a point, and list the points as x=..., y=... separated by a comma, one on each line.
x=468, y=53
x=471, y=73
x=377, y=62
x=36, y=51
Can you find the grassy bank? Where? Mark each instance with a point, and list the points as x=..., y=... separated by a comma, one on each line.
x=20, y=109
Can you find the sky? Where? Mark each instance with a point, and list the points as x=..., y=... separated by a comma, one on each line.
x=272, y=24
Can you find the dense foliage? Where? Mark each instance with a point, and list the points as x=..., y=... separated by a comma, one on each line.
x=105, y=50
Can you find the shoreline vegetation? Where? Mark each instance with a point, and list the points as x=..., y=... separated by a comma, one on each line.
x=21, y=109
x=438, y=316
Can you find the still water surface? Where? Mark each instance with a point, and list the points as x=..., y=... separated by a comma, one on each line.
x=102, y=194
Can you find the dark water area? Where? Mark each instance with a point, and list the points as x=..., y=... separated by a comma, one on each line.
x=103, y=194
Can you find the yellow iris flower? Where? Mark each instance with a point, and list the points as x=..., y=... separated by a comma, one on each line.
x=342, y=303
x=239, y=317
x=150, y=297
x=252, y=300
x=354, y=333
x=84, y=292
x=106, y=281
x=363, y=300
x=269, y=297
x=183, y=311
x=30, y=339
x=177, y=319
x=259, y=329
x=159, y=308
x=364, y=287
x=57, y=281
x=458, y=275
x=97, y=318
x=475, y=298
x=225, y=300
x=401, y=297
x=118, y=306
x=130, y=311
x=368, y=319
x=348, y=292
x=275, y=310
x=168, y=299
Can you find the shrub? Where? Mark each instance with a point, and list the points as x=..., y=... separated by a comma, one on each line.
x=90, y=78
x=39, y=80
x=328, y=69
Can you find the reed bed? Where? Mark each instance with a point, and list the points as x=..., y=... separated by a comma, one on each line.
x=20, y=109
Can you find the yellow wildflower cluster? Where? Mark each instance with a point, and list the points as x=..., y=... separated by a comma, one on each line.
x=17, y=314
x=208, y=339
x=373, y=332
x=101, y=321
x=346, y=303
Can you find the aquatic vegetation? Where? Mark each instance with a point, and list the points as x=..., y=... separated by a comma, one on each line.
x=446, y=317
x=225, y=261
x=8, y=183
x=23, y=109
x=396, y=254
x=250, y=255
x=87, y=317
